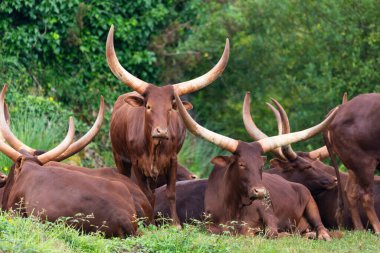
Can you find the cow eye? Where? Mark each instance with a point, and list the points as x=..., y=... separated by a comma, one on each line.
x=148, y=107
x=242, y=166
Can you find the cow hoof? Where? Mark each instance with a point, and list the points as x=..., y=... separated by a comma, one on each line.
x=310, y=235
x=324, y=235
x=283, y=234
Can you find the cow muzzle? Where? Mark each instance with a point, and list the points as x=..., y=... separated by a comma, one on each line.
x=257, y=193
x=160, y=133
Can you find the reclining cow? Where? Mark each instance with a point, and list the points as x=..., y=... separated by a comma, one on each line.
x=320, y=185
x=237, y=182
x=51, y=192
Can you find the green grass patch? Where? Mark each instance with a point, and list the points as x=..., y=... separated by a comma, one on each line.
x=29, y=235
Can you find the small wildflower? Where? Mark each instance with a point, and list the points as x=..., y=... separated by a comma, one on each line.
x=5, y=169
x=205, y=55
x=51, y=99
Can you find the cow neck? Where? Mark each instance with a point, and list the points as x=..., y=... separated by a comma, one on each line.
x=12, y=177
x=232, y=199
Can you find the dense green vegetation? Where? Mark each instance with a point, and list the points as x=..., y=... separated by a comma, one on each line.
x=29, y=235
x=303, y=53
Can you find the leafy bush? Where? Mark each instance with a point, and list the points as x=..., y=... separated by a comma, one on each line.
x=305, y=54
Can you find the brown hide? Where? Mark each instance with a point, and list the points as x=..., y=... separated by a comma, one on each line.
x=327, y=204
x=304, y=170
x=141, y=203
x=354, y=135
x=182, y=175
x=132, y=126
x=291, y=207
x=137, y=152
x=53, y=192
x=189, y=201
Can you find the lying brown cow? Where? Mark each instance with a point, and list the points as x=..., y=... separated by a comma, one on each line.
x=53, y=192
x=189, y=200
x=146, y=130
x=237, y=182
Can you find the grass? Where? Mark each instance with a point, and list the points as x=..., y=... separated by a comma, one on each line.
x=29, y=235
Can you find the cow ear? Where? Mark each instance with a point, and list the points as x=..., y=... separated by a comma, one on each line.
x=264, y=158
x=134, y=101
x=221, y=160
x=186, y=104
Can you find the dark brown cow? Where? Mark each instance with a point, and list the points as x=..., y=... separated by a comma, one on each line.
x=288, y=208
x=354, y=135
x=53, y=192
x=241, y=183
x=146, y=129
x=292, y=165
x=189, y=201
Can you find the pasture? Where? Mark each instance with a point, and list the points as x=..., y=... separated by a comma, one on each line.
x=29, y=235
x=305, y=54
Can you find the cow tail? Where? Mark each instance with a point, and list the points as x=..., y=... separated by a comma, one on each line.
x=340, y=209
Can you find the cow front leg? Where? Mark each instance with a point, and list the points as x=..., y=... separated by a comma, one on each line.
x=170, y=191
x=314, y=218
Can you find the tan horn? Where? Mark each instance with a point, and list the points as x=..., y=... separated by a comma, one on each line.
x=271, y=143
x=6, y=131
x=251, y=127
x=204, y=80
x=123, y=75
x=53, y=153
x=221, y=141
x=320, y=153
x=87, y=138
x=344, y=99
x=286, y=149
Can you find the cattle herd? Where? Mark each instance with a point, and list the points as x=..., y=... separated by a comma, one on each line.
x=298, y=194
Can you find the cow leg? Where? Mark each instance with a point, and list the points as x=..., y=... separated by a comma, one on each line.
x=143, y=184
x=352, y=193
x=312, y=214
x=368, y=205
x=170, y=190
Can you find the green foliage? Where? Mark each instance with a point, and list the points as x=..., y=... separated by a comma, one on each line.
x=28, y=235
x=58, y=47
x=306, y=54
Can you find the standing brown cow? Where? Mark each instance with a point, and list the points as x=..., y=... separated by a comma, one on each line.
x=354, y=135
x=146, y=129
x=239, y=181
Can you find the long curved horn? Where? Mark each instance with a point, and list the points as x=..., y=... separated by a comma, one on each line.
x=271, y=143
x=87, y=138
x=6, y=131
x=204, y=80
x=9, y=152
x=344, y=99
x=221, y=141
x=278, y=118
x=53, y=153
x=251, y=127
x=286, y=149
x=320, y=153
x=118, y=70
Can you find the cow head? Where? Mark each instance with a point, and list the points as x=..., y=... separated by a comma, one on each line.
x=158, y=101
x=294, y=166
x=245, y=166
